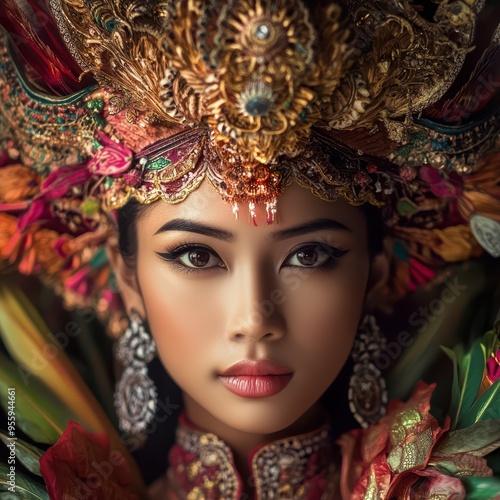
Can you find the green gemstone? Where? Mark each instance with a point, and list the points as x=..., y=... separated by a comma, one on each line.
x=158, y=164
x=96, y=104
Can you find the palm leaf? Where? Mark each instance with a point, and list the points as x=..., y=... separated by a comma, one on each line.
x=29, y=341
x=30, y=344
x=37, y=411
x=26, y=453
x=478, y=439
x=455, y=387
x=481, y=409
x=470, y=373
x=24, y=488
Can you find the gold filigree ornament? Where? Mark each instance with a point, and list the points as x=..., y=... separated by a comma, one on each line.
x=261, y=73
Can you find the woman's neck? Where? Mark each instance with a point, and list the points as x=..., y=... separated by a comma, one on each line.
x=242, y=443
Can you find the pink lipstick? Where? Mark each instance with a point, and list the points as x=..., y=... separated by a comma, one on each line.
x=255, y=378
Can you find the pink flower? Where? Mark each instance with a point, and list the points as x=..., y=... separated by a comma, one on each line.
x=493, y=367
x=112, y=159
x=408, y=173
x=447, y=185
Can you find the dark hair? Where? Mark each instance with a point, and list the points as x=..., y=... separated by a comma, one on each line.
x=131, y=213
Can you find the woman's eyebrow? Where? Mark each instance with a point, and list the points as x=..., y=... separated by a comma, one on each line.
x=305, y=228
x=310, y=227
x=196, y=227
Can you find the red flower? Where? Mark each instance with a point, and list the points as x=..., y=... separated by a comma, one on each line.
x=81, y=465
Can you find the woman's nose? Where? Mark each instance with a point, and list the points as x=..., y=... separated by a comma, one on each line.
x=253, y=314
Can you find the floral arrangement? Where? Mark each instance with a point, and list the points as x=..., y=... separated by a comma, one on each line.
x=408, y=451
x=408, y=454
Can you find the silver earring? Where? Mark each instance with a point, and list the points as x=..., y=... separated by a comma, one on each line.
x=135, y=394
x=367, y=390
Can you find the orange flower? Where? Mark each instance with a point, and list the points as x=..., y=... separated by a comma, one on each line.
x=7, y=228
x=18, y=183
x=46, y=256
x=455, y=243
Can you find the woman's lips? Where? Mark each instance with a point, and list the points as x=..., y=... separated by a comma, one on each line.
x=255, y=378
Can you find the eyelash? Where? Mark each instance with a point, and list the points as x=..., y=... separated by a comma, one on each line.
x=172, y=255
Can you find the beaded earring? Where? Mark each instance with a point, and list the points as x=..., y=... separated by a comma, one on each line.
x=135, y=396
x=367, y=389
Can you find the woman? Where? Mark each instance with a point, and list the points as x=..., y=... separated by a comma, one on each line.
x=240, y=163
x=283, y=303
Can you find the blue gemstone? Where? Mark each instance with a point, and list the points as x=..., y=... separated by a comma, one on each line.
x=258, y=106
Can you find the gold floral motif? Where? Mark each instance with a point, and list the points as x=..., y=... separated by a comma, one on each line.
x=261, y=73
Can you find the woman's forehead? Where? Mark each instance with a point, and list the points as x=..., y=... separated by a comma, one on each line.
x=297, y=205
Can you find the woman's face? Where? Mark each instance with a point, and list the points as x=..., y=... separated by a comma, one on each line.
x=217, y=291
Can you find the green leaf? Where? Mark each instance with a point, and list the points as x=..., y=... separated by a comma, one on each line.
x=479, y=439
x=481, y=488
x=26, y=453
x=455, y=391
x=481, y=409
x=490, y=342
x=25, y=488
x=37, y=413
x=470, y=375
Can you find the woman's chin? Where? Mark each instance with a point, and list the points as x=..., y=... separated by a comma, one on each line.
x=258, y=419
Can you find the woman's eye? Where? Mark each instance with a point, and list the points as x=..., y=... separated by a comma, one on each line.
x=192, y=257
x=315, y=256
x=198, y=258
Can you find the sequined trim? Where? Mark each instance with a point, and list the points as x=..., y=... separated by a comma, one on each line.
x=299, y=467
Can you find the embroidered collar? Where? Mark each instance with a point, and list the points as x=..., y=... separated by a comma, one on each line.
x=298, y=467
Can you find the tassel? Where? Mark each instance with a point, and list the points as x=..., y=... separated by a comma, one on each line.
x=251, y=209
x=271, y=211
x=236, y=209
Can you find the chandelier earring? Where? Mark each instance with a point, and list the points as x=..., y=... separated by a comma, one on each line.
x=135, y=396
x=367, y=392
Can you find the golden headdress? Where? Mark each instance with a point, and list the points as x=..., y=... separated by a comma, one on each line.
x=392, y=103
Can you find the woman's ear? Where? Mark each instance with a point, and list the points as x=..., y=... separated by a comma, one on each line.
x=126, y=278
x=376, y=298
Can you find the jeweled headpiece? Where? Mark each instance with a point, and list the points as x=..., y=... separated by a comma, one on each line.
x=391, y=103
